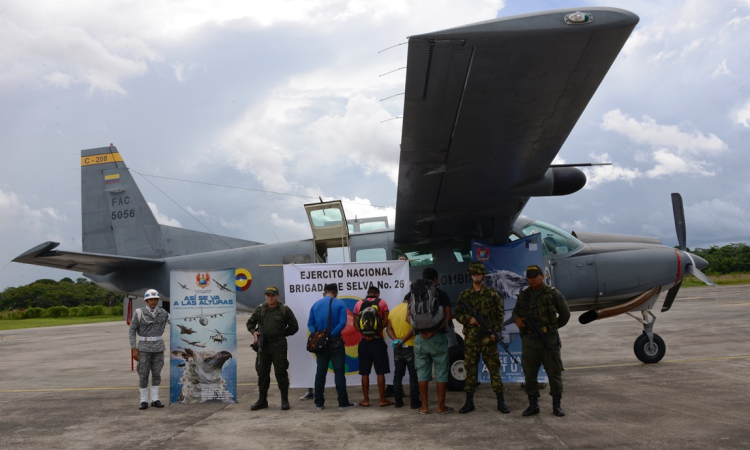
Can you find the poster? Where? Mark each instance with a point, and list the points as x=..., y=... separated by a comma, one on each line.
x=203, y=336
x=506, y=273
x=303, y=286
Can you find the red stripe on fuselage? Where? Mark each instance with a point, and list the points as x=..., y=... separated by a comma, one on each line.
x=679, y=266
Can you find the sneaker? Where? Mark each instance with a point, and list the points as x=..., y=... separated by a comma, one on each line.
x=319, y=408
x=309, y=395
x=349, y=406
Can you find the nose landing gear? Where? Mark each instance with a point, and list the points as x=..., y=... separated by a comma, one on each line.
x=649, y=347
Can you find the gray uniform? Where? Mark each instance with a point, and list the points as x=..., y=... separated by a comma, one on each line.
x=149, y=325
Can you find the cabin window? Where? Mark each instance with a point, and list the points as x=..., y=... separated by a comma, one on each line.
x=418, y=255
x=326, y=217
x=555, y=240
x=371, y=255
x=462, y=251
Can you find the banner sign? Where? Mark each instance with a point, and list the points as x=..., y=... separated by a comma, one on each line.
x=203, y=336
x=506, y=273
x=303, y=286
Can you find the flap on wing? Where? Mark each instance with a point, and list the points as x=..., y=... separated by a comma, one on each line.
x=46, y=255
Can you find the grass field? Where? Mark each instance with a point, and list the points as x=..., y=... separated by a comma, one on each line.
x=53, y=322
x=721, y=280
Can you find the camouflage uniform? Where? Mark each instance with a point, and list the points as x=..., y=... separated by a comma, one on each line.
x=488, y=304
x=151, y=360
x=548, y=308
x=278, y=323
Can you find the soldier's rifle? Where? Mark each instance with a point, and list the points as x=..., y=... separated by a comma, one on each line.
x=484, y=325
x=258, y=345
x=535, y=328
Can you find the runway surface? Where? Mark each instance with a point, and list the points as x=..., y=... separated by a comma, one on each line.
x=71, y=387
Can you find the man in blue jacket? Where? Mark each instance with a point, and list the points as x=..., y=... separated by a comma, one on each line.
x=335, y=353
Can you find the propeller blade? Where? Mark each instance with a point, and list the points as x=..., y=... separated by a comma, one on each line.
x=700, y=275
x=671, y=294
x=679, y=219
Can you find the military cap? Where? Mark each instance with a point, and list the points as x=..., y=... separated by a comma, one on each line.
x=476, y=267
x=533, y=271
x=273, y=290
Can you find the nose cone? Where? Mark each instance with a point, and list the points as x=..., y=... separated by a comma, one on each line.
x=700, y=263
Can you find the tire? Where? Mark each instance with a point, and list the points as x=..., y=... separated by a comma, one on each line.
x=456, y=370
x=649, y=353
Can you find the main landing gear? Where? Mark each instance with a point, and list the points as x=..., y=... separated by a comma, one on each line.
x=649, y=347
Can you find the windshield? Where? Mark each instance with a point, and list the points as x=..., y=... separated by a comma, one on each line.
x=556, y=241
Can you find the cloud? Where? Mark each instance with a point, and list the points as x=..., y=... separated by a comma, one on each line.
x=673, y=150
x=651, y=133
x=723, y=220
x=360, y=136
x=17, y=216
x=298, y=230
x=65, y=55
x=602, y=174
x=743, y=115
x=721, y=70
x=163, y=218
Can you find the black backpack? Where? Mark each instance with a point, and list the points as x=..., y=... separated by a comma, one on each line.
x=426, y=312
x=368, y=320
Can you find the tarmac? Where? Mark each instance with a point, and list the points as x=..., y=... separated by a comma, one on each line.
x=72, y=387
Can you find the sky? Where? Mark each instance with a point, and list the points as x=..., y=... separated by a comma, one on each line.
x=287, y=96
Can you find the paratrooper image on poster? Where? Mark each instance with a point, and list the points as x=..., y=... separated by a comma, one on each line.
x=303, y=286
x=203, y=337
x=506, y=273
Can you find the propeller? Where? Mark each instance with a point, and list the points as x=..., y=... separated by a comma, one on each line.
x=679, y=224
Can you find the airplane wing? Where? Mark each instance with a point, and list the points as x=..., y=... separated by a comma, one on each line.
x=487, y=107
x=96, y=263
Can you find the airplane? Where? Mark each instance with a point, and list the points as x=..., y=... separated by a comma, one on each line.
x=201, y=318
x=194, y=343
x=185, y=330
x=223, y=287
x=183, y=286
x=219, y=336
x=487, y=107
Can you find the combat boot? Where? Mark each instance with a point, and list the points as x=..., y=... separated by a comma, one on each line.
x=556, y=408
x=501, y=406
x=261, y=403
x=469, y=405
x=285, y=400
x=533, y=407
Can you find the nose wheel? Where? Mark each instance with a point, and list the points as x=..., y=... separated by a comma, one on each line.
x=649, y=347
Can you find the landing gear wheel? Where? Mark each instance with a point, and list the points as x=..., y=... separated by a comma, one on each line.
x=456, y=369
x=647, y=352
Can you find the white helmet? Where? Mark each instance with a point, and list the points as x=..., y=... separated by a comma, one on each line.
x=151, y=293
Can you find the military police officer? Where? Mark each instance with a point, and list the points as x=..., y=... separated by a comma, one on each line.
x=147, y=325
x=277, y=321
x=547, y=307
x=486, y=302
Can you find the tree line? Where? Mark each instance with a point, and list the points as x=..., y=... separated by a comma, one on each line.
x=47, y=293
x=732, y=258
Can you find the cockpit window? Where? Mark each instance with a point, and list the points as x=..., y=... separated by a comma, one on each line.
x=555, y=240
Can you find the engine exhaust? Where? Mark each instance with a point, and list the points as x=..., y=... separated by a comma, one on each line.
x=621, y=308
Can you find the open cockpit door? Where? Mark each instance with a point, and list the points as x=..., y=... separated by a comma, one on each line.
x=329, y=228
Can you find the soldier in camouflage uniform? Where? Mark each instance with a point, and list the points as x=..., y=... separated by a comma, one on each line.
x=278, y=322
x=487, y=302
x=549, y=310
x=148, y=324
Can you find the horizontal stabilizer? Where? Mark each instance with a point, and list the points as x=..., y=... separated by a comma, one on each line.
x=46, y=255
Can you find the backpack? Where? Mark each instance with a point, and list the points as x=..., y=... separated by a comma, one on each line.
x=426, y=312
x=368, y=320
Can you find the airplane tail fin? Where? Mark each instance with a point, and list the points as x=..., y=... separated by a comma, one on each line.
x=116, y=219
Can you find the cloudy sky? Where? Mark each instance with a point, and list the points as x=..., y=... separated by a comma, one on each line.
x=284, y=96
